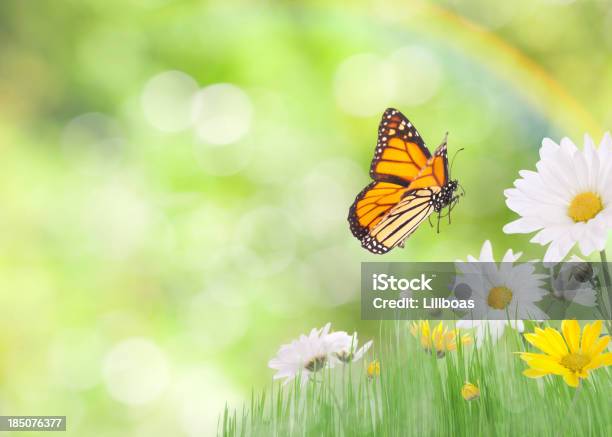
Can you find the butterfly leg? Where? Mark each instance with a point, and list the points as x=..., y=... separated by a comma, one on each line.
x=453, y=202
x=430, y=223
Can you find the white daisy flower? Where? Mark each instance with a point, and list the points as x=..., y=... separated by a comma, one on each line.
x=305, y=356
x=498, y=291
x=320, y=349
x=568, y=284
x=346, y=347
x=568, y=199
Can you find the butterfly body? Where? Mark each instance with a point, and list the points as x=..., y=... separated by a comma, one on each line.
x=445, y=196
x=409, y=184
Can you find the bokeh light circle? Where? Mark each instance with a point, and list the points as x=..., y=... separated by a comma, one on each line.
x=118, y=217
x=363, y=84
x=418, y=75
x=221, y=114
x=135, y=371
x=167, y=100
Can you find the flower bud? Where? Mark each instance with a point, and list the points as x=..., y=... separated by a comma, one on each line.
x=470, y=392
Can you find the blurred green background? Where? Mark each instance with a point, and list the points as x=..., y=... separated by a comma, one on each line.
x=175, y=178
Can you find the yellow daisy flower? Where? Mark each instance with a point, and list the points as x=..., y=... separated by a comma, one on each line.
x=374, y=369
x=569, y=355
x=470, y=391
x=439, y=340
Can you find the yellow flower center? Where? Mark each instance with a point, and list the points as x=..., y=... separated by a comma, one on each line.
x=584, y=207
x=499, y=297
x=575, y=362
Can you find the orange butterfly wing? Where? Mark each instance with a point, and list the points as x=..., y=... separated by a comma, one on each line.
x=405, y=177
x=401, y=220
x=372, y=204
x=435, y=172
x=400, y=153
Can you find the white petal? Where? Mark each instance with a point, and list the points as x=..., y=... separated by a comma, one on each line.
x=558, y=249
x=581, y=172
x=468, y=324
x=522, y=226
x=510, y=257
x=486, y=253
x=549, y=234
x=518, y=325
x=594, y=239
x=606, y=141
x=325, y=329
x=592, y=159
x=567, y=145
x=549, y=148
x=361, y=352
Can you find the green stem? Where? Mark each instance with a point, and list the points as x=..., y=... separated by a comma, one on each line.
x=607, y=282
x=575, y=397
x=571, y=412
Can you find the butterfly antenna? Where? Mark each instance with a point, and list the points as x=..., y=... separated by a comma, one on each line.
x=453, y=160
x=462, y=189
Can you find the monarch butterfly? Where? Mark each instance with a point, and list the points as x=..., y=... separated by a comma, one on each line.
x=409, y=184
